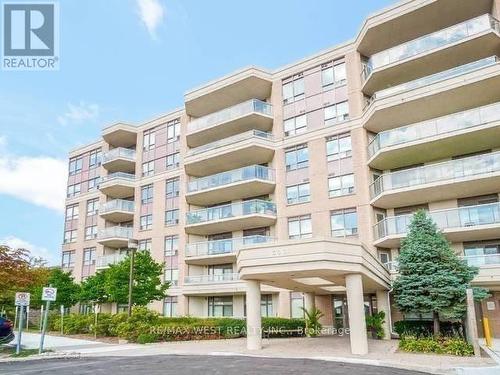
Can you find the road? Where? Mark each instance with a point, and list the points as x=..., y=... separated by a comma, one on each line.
x=180, y=365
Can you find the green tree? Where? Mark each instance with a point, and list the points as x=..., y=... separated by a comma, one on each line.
x=93, y=289
x=432, y=279
x=67, y=290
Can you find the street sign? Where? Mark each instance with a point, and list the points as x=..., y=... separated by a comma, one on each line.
x=22, y=299
x=49, y=294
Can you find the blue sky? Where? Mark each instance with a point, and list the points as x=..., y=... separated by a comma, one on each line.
x=130, y=60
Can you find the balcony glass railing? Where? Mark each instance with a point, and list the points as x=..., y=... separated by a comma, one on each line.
x=462, y=217
x=392, y=266
x=105, y=260
x=439, y=126
x=231, y=113
x=207, y=279
x=435, y=173
x=118, y=176
x=482, y=260
x=225, y=178
x=434, y=78
x=119, y=153
x=225, y=246
x=230, y=140
x=115, y=232
x=227, y=211
x=117, y=205
x=438, y=39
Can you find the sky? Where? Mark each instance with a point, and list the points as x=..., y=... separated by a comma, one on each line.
x=132, y=60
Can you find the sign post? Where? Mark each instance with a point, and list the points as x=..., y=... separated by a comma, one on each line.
x=22, y=301
x=49, y=295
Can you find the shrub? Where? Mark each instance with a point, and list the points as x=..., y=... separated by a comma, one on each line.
x=276, y=326
x=375, y=323
x=441, y=345
x=146, y=338
x=425, y=328
x=313, y=326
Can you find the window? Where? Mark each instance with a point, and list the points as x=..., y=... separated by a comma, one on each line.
x=146, y=222
x=173, y=161
x=68, y=259
x=172, y=217
x=344, y=222
x=298, y=193
x=121, y=308
x=294, y=90
x=70, y=236
x=90, y=232
x=266, y=305
x=171, y=245
x=72, y=212
x=172, y=188
x=173, y=130
x=172, y=276
x=297, y=157
x=92, y=206
x=299, y=227
x=144, y=245
x=73, y=190
x=95, y=158
x=480, y=253
x=384, y=256
x=297, y=304
x=336, y=113
x=341, y=185
x=220, y=306
x=333, y=75
x=89, y=256
x=93, y=183
x=170, y=306
x=295, y=125
x=338, y=146
x=148, y=168
x=147, y=194
x=75, y=165
x=149, y=140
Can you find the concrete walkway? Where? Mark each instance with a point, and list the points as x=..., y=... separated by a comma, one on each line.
x=58, y=343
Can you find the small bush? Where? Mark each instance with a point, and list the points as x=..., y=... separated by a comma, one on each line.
x=420, y=328
x=441, y=345
x=146, y=338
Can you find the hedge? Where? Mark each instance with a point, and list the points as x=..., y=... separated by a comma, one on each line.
x=423, y=328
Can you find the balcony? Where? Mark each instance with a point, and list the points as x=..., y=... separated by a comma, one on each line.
x=118, y=185
x=252, y=114
x=464, y=87
x=115, y=236
x=106, y=260
x=474, y=130
x=240, y=183
x=119, y=160
x=253, y=147
x=117, y=210
x=120, y=135
x=220, y=251
x=470, y=176
x=231, y=217
x=248, y=83
x=471, y=223
x=456, y=45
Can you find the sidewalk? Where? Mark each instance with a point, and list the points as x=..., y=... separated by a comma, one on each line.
x=58, y=343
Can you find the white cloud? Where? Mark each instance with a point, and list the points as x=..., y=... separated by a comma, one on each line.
x=78, y=113
x=36, y=251
x=151, y=13
x=39, y=180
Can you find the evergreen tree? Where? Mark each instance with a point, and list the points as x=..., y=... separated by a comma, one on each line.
x=432, y=279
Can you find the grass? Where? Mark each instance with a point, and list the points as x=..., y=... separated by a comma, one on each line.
x=11, y=351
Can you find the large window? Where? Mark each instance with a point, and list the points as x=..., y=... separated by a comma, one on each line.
x=148, y=168
x=75, y=165
x=297, y=305
x=72, y=212
x=93, y=183
x=300, y=227
x=173, y=161
x=68, y=259
x=336, y=113
x=341, y=185
x=295, y=125
x=95, y=158
x=173, y=130
x=172, y=188
x=220, y=306
x=171, y=245
x=266, y=305
x=90, y=232
x=145, y=245
x=92, y=206
x=297, y=157
x=170, y=306
x=338, y=146
x=146, y=222
x=70, y=236
x=149, y=140
x=172, y=275
x=147, y=194
x=73, y=190
x=89, y=256
x=298, y=193
x=344, y=222
x=479, y=253
x=333, y=75
x=171, y=217
x=294, y=90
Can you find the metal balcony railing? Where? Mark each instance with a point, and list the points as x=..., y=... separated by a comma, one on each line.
x=209, y=279
x=117, y=205
x=105, y=260
x=119, y=153
x=225, y=246
x=115, y=232
x=118, y=176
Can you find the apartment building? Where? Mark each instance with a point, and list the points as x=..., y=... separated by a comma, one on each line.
x=273, y=190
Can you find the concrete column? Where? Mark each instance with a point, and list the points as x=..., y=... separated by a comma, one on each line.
x=471, y=327
x=254, y=334
x=309, y=301
x=356, y=309
x=383, y=305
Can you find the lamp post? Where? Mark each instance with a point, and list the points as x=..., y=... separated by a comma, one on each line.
x=132, y=246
